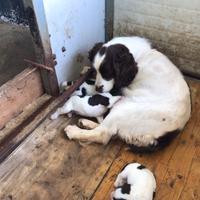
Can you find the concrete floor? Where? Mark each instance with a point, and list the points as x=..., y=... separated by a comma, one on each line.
x=16, y=44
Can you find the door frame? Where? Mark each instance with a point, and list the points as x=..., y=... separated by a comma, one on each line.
x=39, y=30
x=31, y=83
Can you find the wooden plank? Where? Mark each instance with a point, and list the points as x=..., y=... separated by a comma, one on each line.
x=19, y=92
x=27, y=111
x=179, y=166
x=16, y=136
x=16, y=167
x=39, y=30
x=191, y=189
x=55, y=167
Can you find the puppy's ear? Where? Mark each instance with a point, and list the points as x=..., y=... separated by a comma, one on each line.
x=94, y=50
x=125, y=69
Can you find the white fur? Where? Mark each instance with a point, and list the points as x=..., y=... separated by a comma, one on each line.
x=156, y=102
x=80, y=106
x=142, y=181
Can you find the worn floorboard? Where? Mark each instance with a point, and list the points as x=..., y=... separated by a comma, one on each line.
x=48, y=166
x=27, y=111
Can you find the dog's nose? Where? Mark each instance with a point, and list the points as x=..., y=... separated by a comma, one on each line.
x=99, y=88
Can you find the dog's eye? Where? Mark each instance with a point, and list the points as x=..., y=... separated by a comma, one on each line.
x=94, y=72
x=106, y=71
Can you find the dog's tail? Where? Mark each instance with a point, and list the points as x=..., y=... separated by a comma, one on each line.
x=161, y=143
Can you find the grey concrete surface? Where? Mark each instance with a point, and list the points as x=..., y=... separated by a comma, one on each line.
x=16, y=44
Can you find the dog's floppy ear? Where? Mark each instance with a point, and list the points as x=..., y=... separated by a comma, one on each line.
x=94, y=50
x=125, y=68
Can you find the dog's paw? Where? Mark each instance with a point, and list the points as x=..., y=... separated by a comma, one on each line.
x=71, y=131
x=87, y=124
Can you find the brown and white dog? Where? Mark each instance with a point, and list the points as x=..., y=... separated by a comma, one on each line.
x=156, y=103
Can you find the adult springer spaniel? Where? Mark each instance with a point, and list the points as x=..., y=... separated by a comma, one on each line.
x=156, y=103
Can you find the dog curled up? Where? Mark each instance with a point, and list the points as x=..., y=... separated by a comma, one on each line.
x=156, y=99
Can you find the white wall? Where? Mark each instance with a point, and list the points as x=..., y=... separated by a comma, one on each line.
x=172, y=25
x=75, y=25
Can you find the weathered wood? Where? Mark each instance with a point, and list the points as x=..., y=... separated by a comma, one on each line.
x=19, y=92
x=27, y=111
x=191, y=187
x=55, y=167
x=34, y=64
x=17, y=135
x=39, y=30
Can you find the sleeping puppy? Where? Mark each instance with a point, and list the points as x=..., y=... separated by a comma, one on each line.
x=88, y=106
x=135, y=182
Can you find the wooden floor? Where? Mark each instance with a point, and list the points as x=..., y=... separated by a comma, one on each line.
x=47, y=166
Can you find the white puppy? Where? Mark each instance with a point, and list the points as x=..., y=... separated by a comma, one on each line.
x=88, y=106
x=135, y=182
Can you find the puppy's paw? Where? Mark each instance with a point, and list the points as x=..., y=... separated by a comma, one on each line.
x=71, y=131
x=112, y=195
x=54, y=116
x=69, y=115
x=119, y=182
x=65, y=85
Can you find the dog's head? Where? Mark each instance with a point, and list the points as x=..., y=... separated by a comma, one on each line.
x=123, y=192
x=115, y=66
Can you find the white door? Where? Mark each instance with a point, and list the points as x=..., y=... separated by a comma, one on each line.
x=74, y=26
